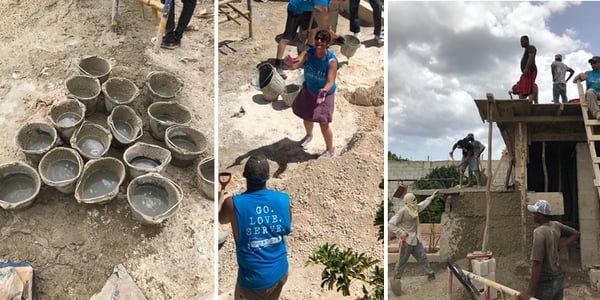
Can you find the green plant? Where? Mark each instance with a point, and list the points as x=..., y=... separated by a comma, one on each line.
x=376, y=280
x=378, y=222
x=341, y=267
x=392, y=156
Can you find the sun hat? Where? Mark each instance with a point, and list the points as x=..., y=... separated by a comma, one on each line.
x=541, y=206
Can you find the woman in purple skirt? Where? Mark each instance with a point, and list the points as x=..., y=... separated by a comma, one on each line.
x=314, y=103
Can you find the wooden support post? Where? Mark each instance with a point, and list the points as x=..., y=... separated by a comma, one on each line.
x=545, y=168
x=488, y=196
x=522, y=149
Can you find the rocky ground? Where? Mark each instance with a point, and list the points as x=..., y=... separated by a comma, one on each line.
x=74, y=247
x=333, y=200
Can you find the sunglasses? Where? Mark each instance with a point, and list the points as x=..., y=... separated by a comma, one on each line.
x=320, y=38
x=593, y=62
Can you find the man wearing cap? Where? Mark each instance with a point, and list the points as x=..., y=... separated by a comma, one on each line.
x=405, y=224
x=559, y=83
x=547, y=280
x=592, y=83
x=260, y=218
x=526, y=84
x=471, y=150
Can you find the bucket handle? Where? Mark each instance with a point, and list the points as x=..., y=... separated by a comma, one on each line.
x=81, y=70
x=176, y=78
x=159, y=217
x=113, y=129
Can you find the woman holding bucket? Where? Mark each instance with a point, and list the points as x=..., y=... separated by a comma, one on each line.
x=314, y=103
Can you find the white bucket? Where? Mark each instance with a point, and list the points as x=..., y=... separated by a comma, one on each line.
x=35, y=139
x=142, y=158
x=166, y=114
x=153, y=198
x=163, y=86
x=95, y=66
x=270, y=83
x=118, y=91
x=91, y=140
x=126, y=126
x=85, y=89
x=185, y=143
x=100, y=180
x=206, y=177
x=350, y=45
x=290, y=93
x=66, y=115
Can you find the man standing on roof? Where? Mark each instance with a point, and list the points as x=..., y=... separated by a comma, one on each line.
x=525, y=86
x=260, y=219
x=547, y=280
x=592, y=83
x=559, y=83
x=405, y=224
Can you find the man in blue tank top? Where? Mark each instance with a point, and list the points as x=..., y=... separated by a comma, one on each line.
x=592, y=82
x=260, y=218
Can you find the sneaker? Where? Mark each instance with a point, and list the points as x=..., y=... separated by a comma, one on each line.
x=170, y=44
x=305, y=140
x=379, y=40
x=327, y=154
x=356, y=35
x=431, y=276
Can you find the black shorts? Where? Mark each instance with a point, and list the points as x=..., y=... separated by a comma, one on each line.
x=294, y=21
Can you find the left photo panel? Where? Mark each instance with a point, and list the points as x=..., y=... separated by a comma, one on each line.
x=106, y=165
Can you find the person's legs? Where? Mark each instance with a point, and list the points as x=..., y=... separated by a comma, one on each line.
x=563, y=92
x=376, y=6
x=421, y=257
x=591, y=97
x=270, y=293
x=405, y=253
x=185, y=17
x=328, y=136
x=555, y=92
x=354, y=19
x=308, y=127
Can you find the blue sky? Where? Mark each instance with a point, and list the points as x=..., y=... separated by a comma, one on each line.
x=442, y=55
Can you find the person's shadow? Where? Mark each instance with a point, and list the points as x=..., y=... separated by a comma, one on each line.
x=282, y=152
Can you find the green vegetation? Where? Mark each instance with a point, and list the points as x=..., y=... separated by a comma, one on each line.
x=438, y=178
x=392, y=156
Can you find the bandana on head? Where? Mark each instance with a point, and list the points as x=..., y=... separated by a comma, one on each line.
x=410, y=203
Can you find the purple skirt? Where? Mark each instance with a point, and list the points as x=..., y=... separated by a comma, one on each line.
x=305, y=106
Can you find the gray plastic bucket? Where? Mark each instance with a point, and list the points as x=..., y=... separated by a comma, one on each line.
x=185, y=143
x=142, y=158
x=100, y=180
x=19, y=185
x=66, y=115
x=60, y=168
x=91, y=140
x=166, y=114
x=118, y=91
x=350, y=46
x=153, y=198
x=270, y=83
x=163, y=86
x=85, y=89
x=126, y=126
x=206, y=177
x=290, y=93
x=35, y=139
x=95, y=66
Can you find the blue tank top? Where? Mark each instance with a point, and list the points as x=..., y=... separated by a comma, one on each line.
x=593, y=80
x=263, y=220
x=315, y=71
x=300, y=6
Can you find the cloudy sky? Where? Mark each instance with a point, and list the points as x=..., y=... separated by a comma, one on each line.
x=442, y=55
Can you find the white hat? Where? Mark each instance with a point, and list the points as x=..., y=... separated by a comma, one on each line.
x=541, y=206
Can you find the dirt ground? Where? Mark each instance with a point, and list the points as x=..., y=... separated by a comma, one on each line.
x=333, y=200
x=74, y=247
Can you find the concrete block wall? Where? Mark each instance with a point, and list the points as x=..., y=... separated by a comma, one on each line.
x=419, y=169
x=589, y=210
x=485, y=268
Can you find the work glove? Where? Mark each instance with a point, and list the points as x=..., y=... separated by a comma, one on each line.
x=321, y=96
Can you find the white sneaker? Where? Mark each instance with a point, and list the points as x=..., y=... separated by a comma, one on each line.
x=356, y=35
x=327, y=154
x=379, y=40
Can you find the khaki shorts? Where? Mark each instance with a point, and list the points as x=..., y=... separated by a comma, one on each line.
x=270, y=293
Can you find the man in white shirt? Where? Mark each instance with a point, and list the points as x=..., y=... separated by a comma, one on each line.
x=559, y=83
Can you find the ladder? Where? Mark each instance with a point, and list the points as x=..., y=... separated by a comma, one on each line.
x=592, y=136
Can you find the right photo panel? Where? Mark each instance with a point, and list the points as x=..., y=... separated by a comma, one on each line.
x=493, y=168
x=301, y=150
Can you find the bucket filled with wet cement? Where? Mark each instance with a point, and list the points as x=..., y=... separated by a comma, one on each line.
x=66, y=115
x=126, y=126
x=185, y=143
x=118, y=91
x=206, y=177
x=350, y=45
x=19, y=185
x=60, y=168
x=35, y=139
x=91, y=140
x=96, y=67
x=153, y=198
x=163, y=86
x=142, y=158
x=270, y=83
x=166, y=114
x=290, y=93
x=100, y=180
x=85, y=89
